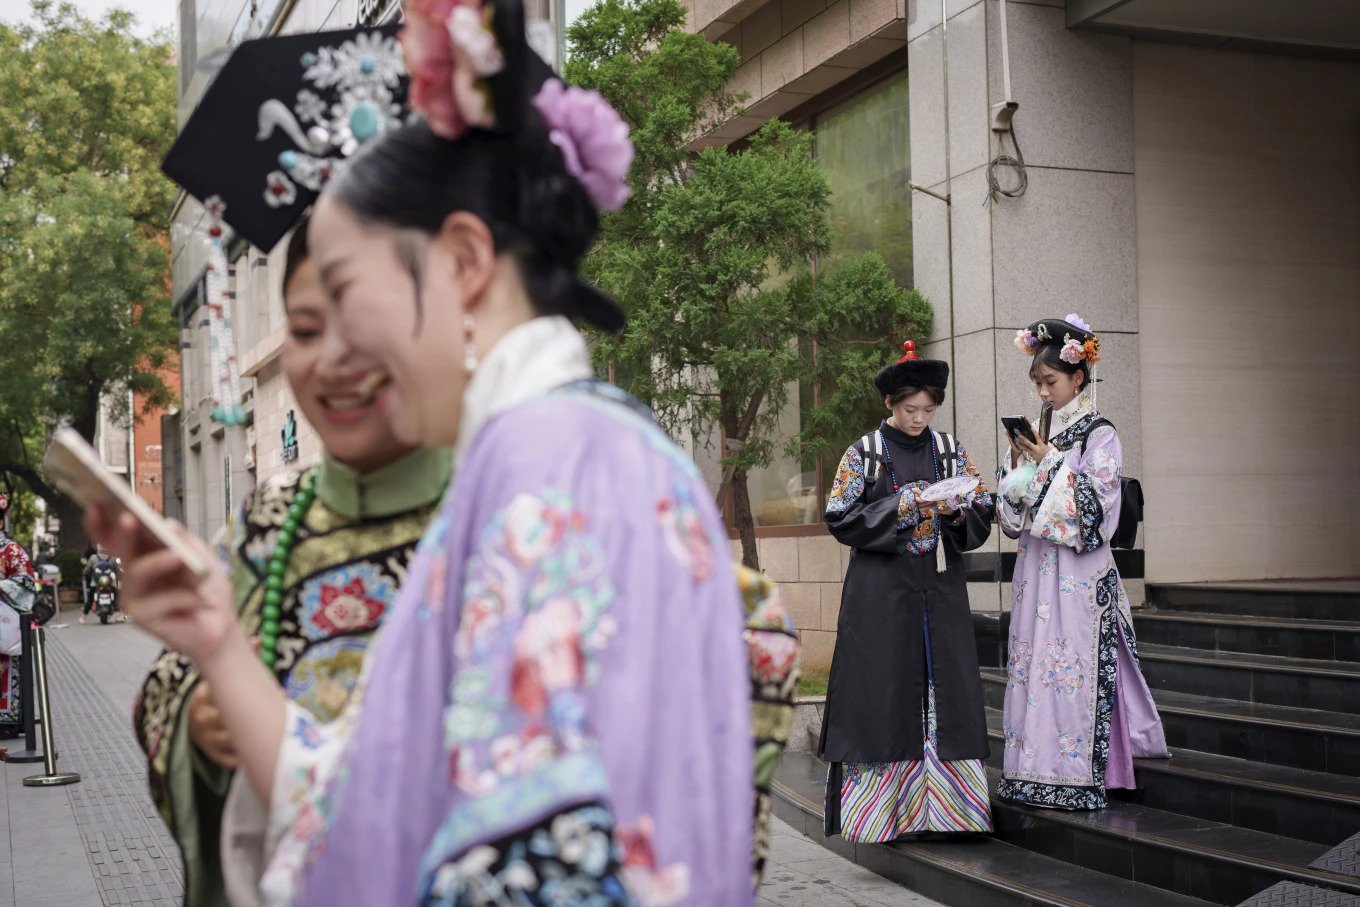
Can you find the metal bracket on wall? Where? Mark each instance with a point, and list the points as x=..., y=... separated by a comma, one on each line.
x=917, y=187
x=1002, y=114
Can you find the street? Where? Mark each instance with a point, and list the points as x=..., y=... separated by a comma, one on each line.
x=101, y=842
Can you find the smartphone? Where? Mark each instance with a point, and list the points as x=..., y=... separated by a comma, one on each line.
x=74, y=466
x=1019, y=426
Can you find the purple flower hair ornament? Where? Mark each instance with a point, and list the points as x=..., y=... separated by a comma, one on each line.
x=593, y=139
x=1076, y=322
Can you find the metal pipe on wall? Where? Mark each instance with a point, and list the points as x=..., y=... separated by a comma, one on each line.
x=949, y=208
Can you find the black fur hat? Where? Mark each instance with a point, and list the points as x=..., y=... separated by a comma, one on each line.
x=912, y=371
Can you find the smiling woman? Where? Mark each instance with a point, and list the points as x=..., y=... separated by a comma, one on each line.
x=314, y=585
x=337, y=391
x=571, y=605
x=315, y=558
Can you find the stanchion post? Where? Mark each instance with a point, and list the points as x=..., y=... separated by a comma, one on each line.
x=30, y=752
x=50, y=776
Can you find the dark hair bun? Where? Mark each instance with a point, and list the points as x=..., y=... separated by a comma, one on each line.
x=518, y=184
x=555, y=211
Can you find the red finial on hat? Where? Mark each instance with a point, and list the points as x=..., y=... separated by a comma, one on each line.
x=910, y=347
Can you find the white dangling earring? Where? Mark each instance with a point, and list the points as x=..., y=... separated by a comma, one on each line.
x=469, y=345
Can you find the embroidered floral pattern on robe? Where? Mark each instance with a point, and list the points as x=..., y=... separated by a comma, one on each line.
x=1071, y=615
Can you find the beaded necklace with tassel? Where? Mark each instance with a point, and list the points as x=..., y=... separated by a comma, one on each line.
x=278, y=566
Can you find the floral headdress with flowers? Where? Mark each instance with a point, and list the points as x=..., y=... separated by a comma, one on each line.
x=1083, y=347
x=454, y=55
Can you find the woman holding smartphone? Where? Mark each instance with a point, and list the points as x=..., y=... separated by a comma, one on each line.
x=1077, y=708
x=557, y=709
x=366, y=506
x=315, y=557
x=905, y=731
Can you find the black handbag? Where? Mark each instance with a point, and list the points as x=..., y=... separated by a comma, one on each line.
x=1130, y=499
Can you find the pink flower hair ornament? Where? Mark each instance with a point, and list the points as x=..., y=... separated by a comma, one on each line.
x=1072, y=352
x=593, y=139
x=450, y=52
x=1026, y=342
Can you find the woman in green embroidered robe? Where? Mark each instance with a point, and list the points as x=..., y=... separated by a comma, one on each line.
x=374, y=499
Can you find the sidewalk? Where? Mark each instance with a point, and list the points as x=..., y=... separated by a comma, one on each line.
x=802, y=873
x=100, y=842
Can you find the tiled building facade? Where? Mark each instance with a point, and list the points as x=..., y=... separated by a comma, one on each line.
x=1176, y=156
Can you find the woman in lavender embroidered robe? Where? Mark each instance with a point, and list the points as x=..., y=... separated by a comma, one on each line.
x=1077, y=708
x=565, y=660
x=557, y=708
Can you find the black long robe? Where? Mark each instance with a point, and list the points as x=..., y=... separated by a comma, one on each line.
x=877, y=688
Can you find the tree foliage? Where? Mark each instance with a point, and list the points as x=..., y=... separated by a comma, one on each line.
x=713, y=257
x=84, y=267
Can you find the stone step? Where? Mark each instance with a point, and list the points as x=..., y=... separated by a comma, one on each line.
x=1249, y=677
x=1303, y=601
x=968, y=872
x=1311, y=806
x=1292, y=894
x=1279, y=735
x=1288, y=637
x=1219, y=863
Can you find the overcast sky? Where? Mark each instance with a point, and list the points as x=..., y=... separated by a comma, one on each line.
x=151, y=14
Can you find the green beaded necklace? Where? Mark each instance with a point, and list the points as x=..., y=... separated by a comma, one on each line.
x=278, y=565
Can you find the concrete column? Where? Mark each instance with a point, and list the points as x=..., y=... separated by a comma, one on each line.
x=989, y=267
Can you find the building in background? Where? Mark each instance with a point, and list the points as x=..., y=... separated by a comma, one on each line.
x=1193, y=187
x=128, y=438
x=1191, y=191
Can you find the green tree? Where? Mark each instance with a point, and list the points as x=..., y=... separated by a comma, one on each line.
x=713, y=259
x=84, y=267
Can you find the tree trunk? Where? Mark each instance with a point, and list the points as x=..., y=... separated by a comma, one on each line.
x=735, y=428
x=746, y=523
x=72, y=518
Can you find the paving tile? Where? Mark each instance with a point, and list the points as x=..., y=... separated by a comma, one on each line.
x=801, y=873
x=100, y=841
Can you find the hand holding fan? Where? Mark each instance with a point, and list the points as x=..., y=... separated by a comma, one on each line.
x=954, y=493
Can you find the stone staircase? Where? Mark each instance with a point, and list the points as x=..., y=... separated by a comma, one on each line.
x=1259, y=691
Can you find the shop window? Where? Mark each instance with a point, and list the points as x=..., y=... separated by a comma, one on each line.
x=863, y=146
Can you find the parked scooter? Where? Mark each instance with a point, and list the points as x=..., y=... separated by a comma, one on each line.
x=49, y=582
x=104, y=586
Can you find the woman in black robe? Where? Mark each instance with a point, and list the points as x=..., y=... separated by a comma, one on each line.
x=904, y=729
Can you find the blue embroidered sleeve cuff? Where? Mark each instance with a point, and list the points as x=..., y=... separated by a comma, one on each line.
x=908, y=513
x=569, y=857
x=1090, y=514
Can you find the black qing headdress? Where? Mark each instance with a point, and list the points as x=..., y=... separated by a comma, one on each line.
x=912, y=371
x=1078, y=342
x=282, y=116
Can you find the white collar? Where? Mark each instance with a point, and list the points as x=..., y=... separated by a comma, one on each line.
x=1078, y=408
x=532, y=359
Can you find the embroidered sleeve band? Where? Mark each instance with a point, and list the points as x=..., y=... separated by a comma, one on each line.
x=570, y=857
x=1090, y=514
x=1043, y=477
x=848, y=486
